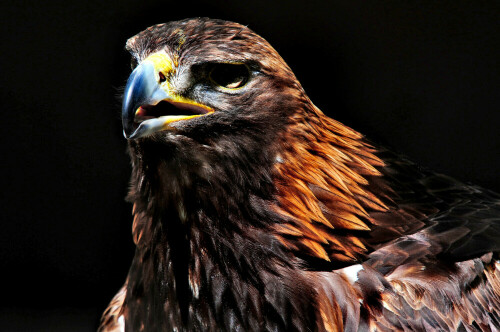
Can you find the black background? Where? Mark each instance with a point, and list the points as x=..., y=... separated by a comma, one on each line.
x=420, y=76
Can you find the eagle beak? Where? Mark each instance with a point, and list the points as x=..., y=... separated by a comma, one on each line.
x=149, y=105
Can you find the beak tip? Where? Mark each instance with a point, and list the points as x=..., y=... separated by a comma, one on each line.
x=128, y=129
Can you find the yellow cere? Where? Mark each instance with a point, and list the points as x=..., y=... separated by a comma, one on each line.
x=162, y=62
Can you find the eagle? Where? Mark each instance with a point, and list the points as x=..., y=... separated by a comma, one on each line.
x=253, y=211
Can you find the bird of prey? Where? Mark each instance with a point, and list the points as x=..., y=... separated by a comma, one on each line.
x=253, y=211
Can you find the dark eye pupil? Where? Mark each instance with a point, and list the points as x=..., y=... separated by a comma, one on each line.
x=230, y=76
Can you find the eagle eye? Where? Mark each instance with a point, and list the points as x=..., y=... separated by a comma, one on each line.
x=229, y=75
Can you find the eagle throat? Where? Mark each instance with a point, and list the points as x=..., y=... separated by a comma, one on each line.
x=196, y=239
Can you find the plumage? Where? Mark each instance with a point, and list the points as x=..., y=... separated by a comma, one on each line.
x=253, y=211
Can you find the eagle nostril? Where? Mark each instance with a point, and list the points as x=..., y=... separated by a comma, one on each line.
x=162, y=77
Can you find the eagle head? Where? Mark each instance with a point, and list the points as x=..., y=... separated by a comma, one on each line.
x=203, y=79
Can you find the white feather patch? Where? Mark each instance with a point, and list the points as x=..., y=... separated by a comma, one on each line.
x=121, y=324
x=351, y=272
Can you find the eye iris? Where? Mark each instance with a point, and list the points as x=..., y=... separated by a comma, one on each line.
x=230, y=76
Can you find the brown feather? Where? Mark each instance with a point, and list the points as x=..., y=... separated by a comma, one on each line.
x=317, y=185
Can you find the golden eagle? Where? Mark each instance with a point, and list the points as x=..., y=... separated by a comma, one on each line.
x=253, y=211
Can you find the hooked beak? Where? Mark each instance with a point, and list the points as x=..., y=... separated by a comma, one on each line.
x=149, y=105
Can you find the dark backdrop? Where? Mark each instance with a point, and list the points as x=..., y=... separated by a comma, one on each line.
x=420, y=76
